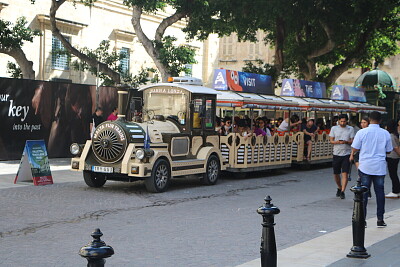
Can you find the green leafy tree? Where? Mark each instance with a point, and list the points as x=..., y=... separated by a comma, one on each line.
x=169, y=59
x=12, y=39
x=14, y=70
x=156, y=48
x=309, y=34
x=175, y=57
x=112, y=59
x=91, y=61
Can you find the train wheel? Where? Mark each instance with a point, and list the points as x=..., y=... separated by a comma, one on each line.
x=160, y=177
x=213, y=170
x=94, y=179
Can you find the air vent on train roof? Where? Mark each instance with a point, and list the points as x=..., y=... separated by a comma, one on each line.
x=185, y=80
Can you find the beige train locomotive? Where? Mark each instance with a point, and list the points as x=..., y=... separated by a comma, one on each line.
x=176, y=138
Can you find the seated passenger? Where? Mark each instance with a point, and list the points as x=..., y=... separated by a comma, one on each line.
x=320, y=124
x=261, y=128
x=227, y=128
x=243, y=129
x=285, y=126
x=309, y=132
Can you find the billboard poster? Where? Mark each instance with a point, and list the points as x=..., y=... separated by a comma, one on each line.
x=302, y=88
x=349, y=93
x=242, y=82
x=58, y=113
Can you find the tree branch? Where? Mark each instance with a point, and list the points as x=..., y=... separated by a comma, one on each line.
x=358, y=50
x=165, y=23
x=26, y=65
x=327, y=47
x=147, y=43
x=55, y=5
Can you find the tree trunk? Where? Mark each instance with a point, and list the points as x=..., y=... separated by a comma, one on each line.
x=55, y=5
x=279, y=44
x=149, y=45
x=20, y=57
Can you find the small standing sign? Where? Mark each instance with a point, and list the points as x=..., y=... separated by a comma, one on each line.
x=34, y=164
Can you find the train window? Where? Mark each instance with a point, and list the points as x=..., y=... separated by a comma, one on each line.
x=209, y=116
x=197, y=113
x=167, y=105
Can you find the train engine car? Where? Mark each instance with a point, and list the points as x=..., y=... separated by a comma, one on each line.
x=176, y=138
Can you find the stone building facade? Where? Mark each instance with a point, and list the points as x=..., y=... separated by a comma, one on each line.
x=87, y=27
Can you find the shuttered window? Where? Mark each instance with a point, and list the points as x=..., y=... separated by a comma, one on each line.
x=59, y=62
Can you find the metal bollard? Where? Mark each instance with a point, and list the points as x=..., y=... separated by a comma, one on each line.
x=268, y=243
x=96, y=250
x=358, y=222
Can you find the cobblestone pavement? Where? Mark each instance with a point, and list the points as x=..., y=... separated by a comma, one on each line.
x=190, y=225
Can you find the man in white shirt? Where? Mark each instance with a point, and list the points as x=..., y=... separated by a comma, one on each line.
x=373, y=143
x=341, y=137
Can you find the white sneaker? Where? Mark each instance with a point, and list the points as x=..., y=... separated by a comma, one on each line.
x=392, y=195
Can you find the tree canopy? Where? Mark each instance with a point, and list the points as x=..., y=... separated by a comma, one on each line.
x=314, y=39
x=12, y=38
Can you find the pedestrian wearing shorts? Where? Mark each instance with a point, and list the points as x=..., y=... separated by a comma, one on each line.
x=374, y=143
x=341, y=137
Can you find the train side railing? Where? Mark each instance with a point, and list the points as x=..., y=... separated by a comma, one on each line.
x=321, y=147
x=252, y=153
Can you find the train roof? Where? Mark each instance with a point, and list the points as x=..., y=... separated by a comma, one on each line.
x=197, y=89
x=227, y=98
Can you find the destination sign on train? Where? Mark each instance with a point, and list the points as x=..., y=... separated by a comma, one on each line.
x=302, y=88
x=242, y=82
x=341, y=92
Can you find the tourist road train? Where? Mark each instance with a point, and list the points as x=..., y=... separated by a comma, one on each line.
x=177, y=136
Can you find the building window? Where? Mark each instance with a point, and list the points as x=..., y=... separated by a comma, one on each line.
x=227, y=46
x=59, y=61
x=189, y=70
x=124, y=63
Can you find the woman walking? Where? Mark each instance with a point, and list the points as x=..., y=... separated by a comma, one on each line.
x=393, y=159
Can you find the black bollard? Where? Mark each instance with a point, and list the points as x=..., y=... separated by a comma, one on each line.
x=96, y=250
x=268, y=243
x=358, y=222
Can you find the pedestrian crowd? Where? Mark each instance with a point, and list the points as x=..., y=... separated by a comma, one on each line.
x=371, y=148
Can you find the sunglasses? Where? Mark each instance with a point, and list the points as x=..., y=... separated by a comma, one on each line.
x=228, y=122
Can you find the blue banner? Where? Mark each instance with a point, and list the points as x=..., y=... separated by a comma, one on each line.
x=242, y=82
x=301, y=88
x=341, y=92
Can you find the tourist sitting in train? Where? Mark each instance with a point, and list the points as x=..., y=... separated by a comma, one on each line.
x=309, y=132
x=227, y=127
x=218, y=124
x=320, y=124
x=278, y=122
x=286, y=126
x=261, y=128
x=243, y=129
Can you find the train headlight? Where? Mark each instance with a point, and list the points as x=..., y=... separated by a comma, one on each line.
x=75, y=149
x=140, y=154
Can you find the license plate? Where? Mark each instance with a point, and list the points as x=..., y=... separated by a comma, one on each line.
x=102, y=169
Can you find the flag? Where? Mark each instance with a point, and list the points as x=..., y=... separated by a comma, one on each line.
x=147, y=139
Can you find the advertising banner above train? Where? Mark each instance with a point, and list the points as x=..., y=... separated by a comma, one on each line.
x=340, y=92
x=242, y=82
x=301, y=88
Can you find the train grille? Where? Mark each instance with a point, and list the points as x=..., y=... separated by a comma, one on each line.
x=108, y=144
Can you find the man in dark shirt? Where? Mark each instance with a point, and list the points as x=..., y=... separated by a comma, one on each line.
x=97, y=118
x=309, y=131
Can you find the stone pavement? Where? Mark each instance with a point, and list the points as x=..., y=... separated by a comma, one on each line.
x=9, y=169
x=331, y=249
